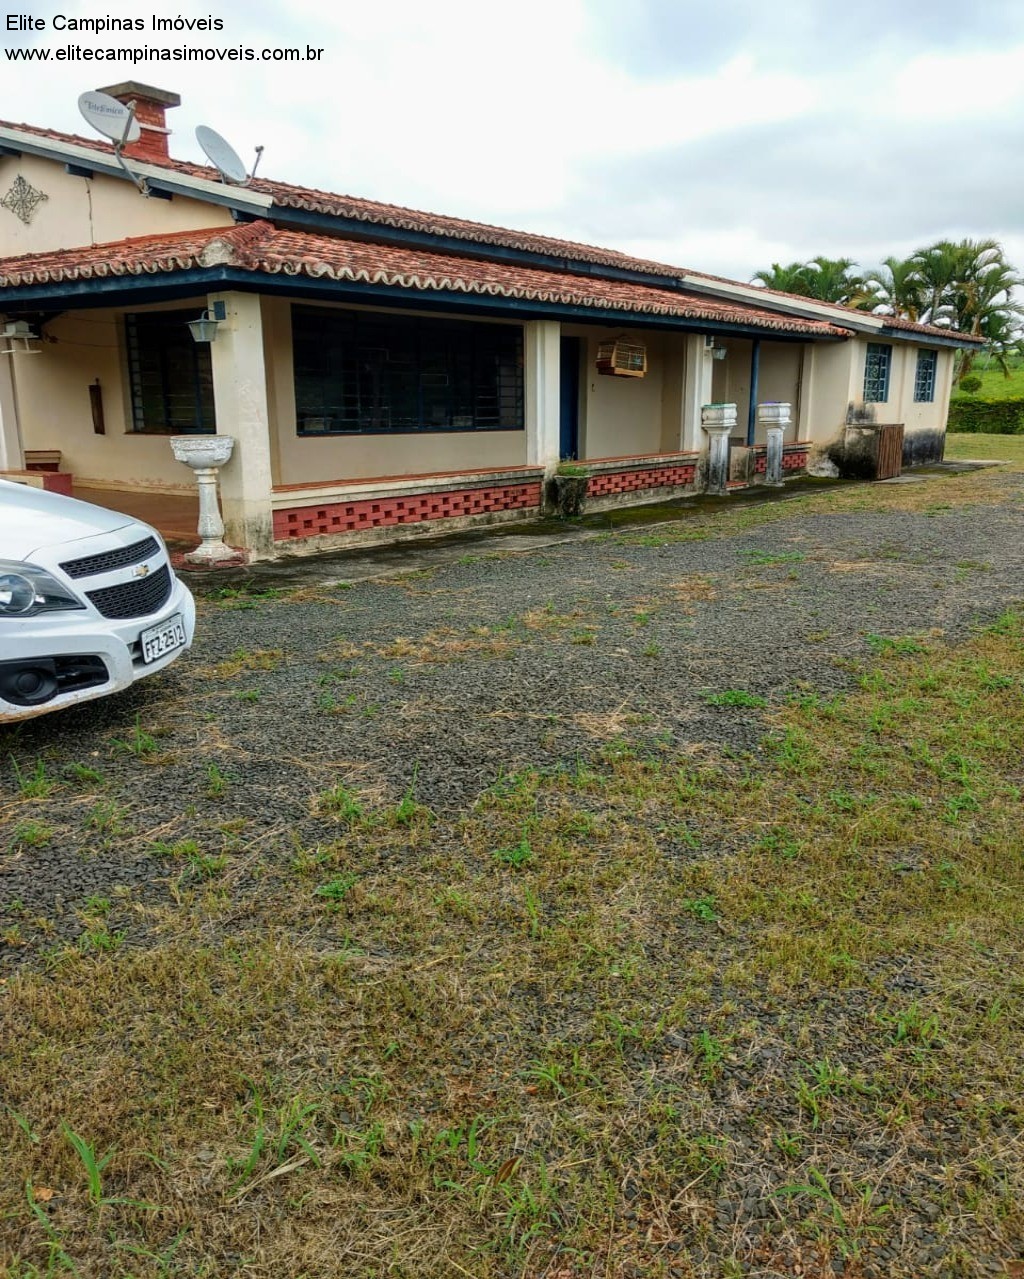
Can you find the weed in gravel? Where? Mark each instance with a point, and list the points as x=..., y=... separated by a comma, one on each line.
x=243, y=659
x=140, y=743
x=755, y=556
x=516, y=855
x=851, y=1228
x=31, y=834
x=35, y=783
x=206, y=865
x=339, y=802
x=337, y=889
x=85, y=776
x=217, y=782
x=107, y=818
x=99, y=938
x=735, y=697
x=181, y=848
x=703, y=908
x=248, y=695
x=904, y=645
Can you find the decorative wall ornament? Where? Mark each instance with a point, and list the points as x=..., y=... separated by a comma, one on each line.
x=22, y=199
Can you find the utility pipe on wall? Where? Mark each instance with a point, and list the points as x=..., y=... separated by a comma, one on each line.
x=755, y=365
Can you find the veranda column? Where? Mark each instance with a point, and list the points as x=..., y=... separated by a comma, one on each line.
x=718, y=421
x=543, y=402
x=240, y=399
x=12, y=457
x=774, y=418
x=696, y=390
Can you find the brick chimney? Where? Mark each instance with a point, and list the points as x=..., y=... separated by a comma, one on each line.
x=150, y=111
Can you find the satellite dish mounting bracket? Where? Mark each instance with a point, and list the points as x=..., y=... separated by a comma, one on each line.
x=141, y=183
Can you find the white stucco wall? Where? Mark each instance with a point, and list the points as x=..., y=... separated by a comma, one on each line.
x=53, y=400
x=621, y=416
x=81, y=211
x=311, y=459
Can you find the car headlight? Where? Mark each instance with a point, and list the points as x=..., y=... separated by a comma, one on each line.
x=26, y=591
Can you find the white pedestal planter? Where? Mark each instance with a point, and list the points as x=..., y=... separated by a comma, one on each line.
x=774, y=418
x=718, y=421
x=206, y=454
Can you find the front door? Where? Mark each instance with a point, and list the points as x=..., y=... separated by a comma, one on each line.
x=569, y=418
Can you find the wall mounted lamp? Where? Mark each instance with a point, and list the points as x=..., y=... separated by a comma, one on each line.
x=204, y=330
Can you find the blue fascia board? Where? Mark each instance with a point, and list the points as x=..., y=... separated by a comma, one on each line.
x=926, y=339
x=127, y=290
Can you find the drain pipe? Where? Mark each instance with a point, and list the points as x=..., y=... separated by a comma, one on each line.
x=755, y=367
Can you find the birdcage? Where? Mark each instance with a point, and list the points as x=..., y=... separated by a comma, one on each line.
x=622, y=358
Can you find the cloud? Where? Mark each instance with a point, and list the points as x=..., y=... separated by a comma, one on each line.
x=720, y=136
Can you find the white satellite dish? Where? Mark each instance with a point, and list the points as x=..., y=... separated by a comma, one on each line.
x=109, y=117
x=222, y=155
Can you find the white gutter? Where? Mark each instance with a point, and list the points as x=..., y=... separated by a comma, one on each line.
x=256, y=203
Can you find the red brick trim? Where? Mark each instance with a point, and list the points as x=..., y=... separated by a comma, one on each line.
x=401, y=509
x=631, y=480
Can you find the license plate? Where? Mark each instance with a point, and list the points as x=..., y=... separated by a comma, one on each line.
x=160, y=640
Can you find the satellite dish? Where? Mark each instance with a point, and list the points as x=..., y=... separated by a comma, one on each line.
x=109, y=117
x=222, y=155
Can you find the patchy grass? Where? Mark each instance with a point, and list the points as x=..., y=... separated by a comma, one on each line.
x=1003, y=448
x=646, y=1010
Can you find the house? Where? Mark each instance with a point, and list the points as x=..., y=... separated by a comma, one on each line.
x=384, y=371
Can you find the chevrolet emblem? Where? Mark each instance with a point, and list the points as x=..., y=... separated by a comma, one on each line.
x=140, y=570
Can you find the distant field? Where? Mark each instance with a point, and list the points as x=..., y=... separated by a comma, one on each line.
x=1005, y=448
x=995, y=385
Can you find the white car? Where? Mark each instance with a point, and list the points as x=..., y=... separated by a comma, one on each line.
x=88, y=602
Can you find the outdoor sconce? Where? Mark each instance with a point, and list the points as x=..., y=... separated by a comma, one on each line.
x=204, y=330
x=712, y=348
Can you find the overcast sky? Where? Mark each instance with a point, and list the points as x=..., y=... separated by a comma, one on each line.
x=718, y=135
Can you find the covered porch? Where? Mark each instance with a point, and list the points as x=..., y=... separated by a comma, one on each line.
x=374, y=409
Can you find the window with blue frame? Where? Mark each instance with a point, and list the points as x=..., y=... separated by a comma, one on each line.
x=171, y=377
x=876, y=373
x=924, y=378
x=367, y=373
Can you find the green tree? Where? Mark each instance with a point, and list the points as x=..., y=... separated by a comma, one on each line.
x=824, y=279
x=895, y=288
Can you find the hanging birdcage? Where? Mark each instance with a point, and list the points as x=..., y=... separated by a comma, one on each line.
x=622, y=358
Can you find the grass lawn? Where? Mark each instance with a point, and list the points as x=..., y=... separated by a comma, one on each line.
x=1002, y=448
x=995, y=385
x=651, y=1010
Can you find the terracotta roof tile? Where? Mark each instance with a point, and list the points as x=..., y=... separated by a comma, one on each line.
x=286, y=195
x=264, y=249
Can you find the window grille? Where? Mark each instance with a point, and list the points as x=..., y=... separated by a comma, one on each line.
x=924, y=378
x=876, y=373
x=435, y=375
x=171, y=377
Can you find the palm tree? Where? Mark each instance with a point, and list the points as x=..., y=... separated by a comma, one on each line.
x=833, y=280
x=824, y=279
x=970, y=288
x=896, y=288
x=784, y=279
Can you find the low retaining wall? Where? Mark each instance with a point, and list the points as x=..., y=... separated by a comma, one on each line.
x=310, y=516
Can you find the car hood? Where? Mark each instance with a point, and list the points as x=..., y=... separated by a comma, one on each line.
x=31, y=518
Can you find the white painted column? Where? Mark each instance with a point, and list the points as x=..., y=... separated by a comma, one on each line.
x=774, y=418
x=804, y=416
x=696, y=391
x=718, y=421
x=240, y=399
x=12, y=456
x=543, y=400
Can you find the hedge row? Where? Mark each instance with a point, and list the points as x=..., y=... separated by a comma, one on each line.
x=987, y=417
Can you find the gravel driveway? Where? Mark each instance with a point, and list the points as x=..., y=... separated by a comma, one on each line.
x=437, y=687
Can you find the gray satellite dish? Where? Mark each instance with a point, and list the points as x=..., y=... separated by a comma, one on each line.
x=109, y=117
x=222, y=155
